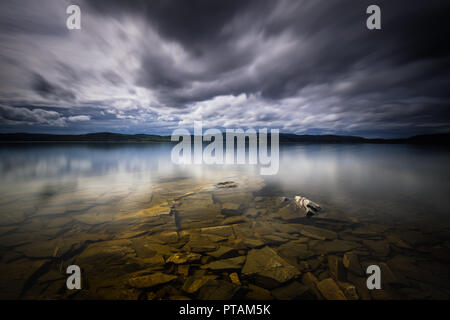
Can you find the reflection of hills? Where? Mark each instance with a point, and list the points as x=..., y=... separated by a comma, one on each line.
x=432, y=139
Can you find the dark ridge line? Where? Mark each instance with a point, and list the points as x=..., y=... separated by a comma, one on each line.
x=284, y=138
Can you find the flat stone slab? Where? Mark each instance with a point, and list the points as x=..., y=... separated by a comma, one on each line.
x=148, y=281
x=351, y=262
x=231, y=209
x=318, y=233
x=223, y=231
x=326, y=247
x=222, y=252
x=290, y=212
x=294, y=290
x=336, y=268
x=183, y=257
x=104, y=253
x=378, y=248
x=268, y=267
x=194, y=283
x=234, y=220
x=13, y=276
x=330, y=290
x=294, y=249
x=254, y=212
x=201, y=244
x=226, y=264
x=253, y=243
x=310, y=280
x=198, y=210
x=218, y=290
x=45, y=249
x=258, y=293
x=349, y=290
x=144, y=248
x=361, y=286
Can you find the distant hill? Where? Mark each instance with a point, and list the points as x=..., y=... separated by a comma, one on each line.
x=285, y=138
x=295, y=138
x=441, y=139
x=90, y=137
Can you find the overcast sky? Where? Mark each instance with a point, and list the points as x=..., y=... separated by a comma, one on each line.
x=302, y=66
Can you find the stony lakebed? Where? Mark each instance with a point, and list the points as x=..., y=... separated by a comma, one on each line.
x=219, y=238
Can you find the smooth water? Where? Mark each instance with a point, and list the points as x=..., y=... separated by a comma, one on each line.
x=122, y=210
x=364, y=180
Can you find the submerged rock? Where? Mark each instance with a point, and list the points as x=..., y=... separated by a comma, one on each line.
x=12, y=216
x=235, y=279
x=202, y=244
x=268, y=268
x=105, y=253
x=196, y=211
x=361, y=286
x=294, y=290
x=183, y=269
x=45, y=249
x=226, y=184
x=254, y=212
x=311, y=282
x=218, y=290
x=318, y=233
x=326, y=247
x=222, y=231
x=226, y=264
x=295, y=249
x=349, y=290
x=222, y=252
x=336, y=267
x=234, y=220
x=182, y=257
x=14, y=276
x=289, y=212
x=175, y=297
x=144, y=248
x=275, y=239
x=156, y=260
x=281, y=201
x=193, y=284
x=253, y=243
x=387, y=275
x=148, y=281
x=116, y=293
x=231, y=209
x=330, y=290
x=378, y=248
x=258, y=293
x=351, y=262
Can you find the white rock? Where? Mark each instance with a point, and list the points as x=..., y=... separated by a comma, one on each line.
x=310, y=207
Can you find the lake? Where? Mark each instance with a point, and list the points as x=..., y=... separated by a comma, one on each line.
x=142, y=227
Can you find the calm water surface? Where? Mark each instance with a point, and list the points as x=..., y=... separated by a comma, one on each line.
x=376, y=181
x=60, y=202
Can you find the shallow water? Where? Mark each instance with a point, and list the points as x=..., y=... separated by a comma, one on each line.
x=122, y=212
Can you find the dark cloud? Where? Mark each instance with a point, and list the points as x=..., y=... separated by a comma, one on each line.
x=195, y=24
x=17, y=115
x=329, y=43
x=50, y=90
x=301, y=66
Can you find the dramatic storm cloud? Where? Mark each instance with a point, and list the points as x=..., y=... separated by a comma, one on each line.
x=303, y=66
